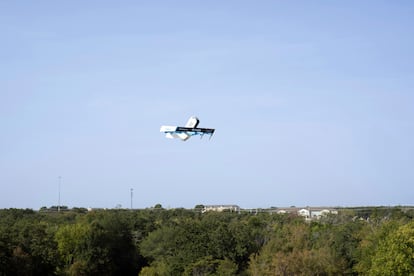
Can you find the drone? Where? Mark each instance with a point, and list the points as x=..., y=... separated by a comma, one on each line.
x=190, y=129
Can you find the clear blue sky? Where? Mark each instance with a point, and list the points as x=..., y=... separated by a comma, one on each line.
x=312, y=101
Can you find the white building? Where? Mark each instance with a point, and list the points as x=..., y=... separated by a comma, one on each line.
x=221, y=208
x=304, y=213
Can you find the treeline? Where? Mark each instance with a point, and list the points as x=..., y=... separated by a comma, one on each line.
x=365, y=241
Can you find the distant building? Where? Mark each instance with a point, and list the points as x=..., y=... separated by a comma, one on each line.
x=304, y=213
x=316, y=213
x=221, y=208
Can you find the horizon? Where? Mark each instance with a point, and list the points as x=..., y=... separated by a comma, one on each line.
x=90, y=208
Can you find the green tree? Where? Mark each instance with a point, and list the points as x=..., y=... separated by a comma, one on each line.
x=395, y=254
x=371, y=236
x=294, y=249
x=71, y=243
x=103, y=246
x=26, y=243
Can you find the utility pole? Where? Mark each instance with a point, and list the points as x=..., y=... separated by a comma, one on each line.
x=132, y=193
x=60, y=180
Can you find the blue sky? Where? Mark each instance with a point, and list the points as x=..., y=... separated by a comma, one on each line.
x=312, y=102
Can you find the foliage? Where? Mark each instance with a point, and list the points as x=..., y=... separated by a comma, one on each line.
x=294, y=249
x=156, y=241
x=216, y=236
x=97, y=245
x=395, y=254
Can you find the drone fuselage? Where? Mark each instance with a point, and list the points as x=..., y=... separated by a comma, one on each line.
x=184, y=133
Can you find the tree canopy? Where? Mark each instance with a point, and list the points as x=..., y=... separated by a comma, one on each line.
x=158, y=241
